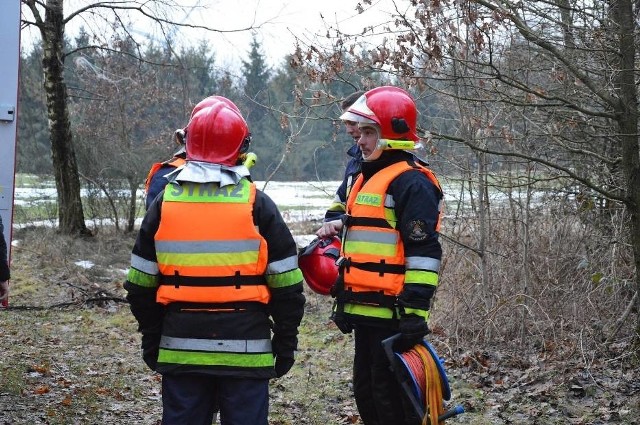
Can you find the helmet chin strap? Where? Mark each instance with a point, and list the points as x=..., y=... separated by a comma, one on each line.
x=374, y=155
x=386, y=144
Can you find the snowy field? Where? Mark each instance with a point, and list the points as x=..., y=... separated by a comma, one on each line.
x=298, y=201
x=301, y=201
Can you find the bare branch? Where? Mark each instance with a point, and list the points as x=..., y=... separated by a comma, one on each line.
x=567, y=171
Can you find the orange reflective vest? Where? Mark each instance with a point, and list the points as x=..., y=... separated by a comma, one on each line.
x=207, y=246
x=176, y=162
x=371, y=244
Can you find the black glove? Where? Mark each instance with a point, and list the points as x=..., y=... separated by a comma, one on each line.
x=150, y=349
x=412, y=331
x=283, y=365
x=342, y=322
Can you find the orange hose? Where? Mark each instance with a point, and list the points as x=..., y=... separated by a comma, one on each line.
x=416, y=368
x=422, y=366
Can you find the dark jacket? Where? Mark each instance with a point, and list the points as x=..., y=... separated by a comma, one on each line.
x=417, y=201
x=157, y=181
x=285, y=308
x=337, y=208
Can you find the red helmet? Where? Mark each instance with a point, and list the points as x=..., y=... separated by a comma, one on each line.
x=217, y=134
x=391, y=108
x=181, y=134
x=318, y=264
x=212, y=100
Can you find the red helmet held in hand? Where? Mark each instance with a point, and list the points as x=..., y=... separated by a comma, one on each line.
x=318, y=264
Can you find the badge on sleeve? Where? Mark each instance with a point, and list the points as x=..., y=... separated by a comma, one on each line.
x=417, y=230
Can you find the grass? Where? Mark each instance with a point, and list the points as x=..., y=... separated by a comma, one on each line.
x=33, y=181
x=67, y=360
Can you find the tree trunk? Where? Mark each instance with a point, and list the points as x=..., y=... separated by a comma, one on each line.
x=65, y=167
x=622, y=13
x=133, y=204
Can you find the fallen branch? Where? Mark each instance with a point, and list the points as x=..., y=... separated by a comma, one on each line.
x=63, y=305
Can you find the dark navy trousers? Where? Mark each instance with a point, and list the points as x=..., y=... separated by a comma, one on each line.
x=194, y=399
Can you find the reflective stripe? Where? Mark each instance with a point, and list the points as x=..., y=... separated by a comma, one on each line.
x=422, y=263
x=216, y=345
x=282, y=266
x=146, y=266
x=390, y=216
x=389, y=211
x=282, y=280
x=421, y=277
x=369, y=311
x=389, y=202
x=201, y=358
x=201, y=247
x=348, y=187
x=336, y=206
x=142, y=279
x=373, y=237
x=208, y=259
x=369, y=248
x=422, y=313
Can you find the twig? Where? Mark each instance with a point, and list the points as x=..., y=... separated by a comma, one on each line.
x=621, y=320
x=98, y=299
x=587, y=364
x=66, y=304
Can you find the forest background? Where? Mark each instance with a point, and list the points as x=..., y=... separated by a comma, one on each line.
x=530, y=110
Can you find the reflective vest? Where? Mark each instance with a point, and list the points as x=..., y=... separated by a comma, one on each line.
x=207, y=246
x=374, y=270
x=176, y=162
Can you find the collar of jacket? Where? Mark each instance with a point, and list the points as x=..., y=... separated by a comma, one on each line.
x=205, y=172
x=369, y=168
x=355, y=152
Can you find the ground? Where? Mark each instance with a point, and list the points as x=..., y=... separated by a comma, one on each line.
x=69, y=355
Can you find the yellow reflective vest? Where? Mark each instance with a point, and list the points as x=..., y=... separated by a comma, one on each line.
x=220, y=257
x=373, y=252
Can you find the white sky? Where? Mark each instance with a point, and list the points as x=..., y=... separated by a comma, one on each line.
x=279, y=22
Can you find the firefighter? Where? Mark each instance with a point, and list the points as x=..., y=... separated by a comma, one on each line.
x=336, y=209
x=214, y=281
x=390, y=253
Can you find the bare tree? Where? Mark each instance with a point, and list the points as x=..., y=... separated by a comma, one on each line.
x=102, y=18
x=550, y=85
